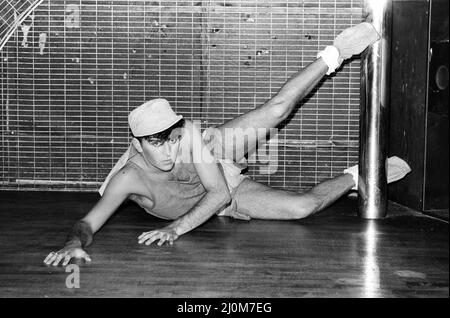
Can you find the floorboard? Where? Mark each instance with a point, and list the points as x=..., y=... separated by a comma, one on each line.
x=332, y=254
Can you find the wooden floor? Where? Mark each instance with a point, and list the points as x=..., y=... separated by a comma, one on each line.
x=332, y=254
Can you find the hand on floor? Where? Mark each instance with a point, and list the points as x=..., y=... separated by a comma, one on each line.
x=166, y=234
x=66, y=254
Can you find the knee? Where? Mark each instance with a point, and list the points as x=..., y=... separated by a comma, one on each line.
x=305, y=206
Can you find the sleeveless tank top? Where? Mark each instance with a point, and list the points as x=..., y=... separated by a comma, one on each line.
x=170, y=199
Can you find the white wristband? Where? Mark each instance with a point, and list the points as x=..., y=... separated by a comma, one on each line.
x=330, y=55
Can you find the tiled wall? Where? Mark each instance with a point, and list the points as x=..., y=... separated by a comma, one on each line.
x=74, y=69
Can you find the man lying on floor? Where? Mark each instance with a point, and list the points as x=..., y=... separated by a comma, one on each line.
x=175, y=172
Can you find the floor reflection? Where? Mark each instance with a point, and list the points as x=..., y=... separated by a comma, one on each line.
x=371, y=268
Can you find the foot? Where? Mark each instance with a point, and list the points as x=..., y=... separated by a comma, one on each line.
x=396, y=169
x=351, y=41
x=354, y=40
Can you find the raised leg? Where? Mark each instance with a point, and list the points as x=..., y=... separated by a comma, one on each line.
x=253, y=126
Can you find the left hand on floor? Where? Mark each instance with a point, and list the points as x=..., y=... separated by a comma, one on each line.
x=166, y=234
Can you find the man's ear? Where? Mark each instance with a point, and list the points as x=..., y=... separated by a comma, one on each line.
x=137, y=145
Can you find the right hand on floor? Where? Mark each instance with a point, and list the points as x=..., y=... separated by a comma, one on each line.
x=66, y=254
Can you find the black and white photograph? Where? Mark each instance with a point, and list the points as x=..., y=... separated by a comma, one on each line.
x=224, y=154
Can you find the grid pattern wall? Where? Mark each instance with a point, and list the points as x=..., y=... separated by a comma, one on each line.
x=73, y=70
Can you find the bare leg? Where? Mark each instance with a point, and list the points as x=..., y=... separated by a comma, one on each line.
x=270, y=114
x=262, y=202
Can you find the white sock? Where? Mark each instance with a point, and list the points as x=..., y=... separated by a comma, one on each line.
x=331, y=56
x=353, y=170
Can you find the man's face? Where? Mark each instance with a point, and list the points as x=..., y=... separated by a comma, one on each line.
x=161, y=155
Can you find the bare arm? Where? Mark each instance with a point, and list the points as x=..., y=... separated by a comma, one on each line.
x=118, y=189
x=203, y=210
x=82, y=232
x=216, y=196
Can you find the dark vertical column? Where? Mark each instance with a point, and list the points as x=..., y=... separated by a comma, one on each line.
x=409, y=61
x=436, y=179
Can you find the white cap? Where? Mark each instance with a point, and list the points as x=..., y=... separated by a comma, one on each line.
x=152, y=117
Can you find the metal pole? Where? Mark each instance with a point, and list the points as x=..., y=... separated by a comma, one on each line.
x=375, y=69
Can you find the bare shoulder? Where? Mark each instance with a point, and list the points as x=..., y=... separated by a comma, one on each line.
x=126, y=181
